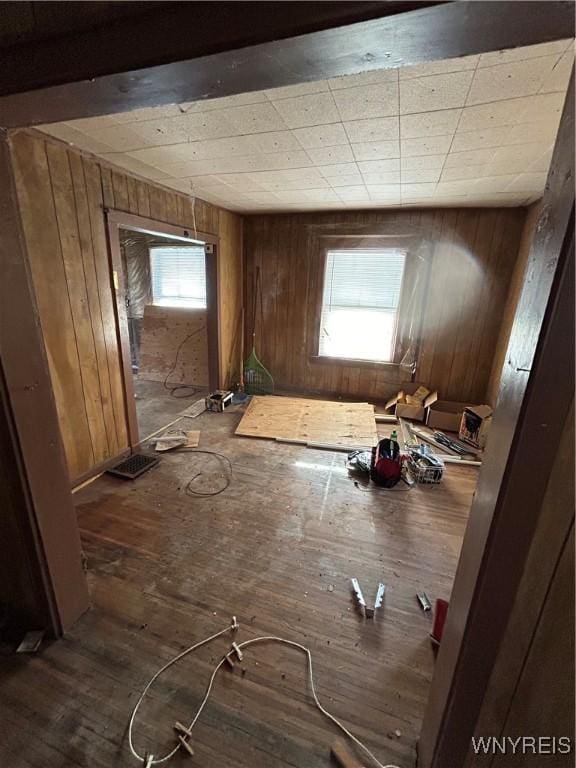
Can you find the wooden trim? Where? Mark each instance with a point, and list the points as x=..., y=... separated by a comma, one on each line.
x=116, y=220
x=374, y=364
x=286, y=53
x=538, y=378
x=93, y=472
x=118, y=292
x=152, y=227
x=212, y=318
x=41, y=493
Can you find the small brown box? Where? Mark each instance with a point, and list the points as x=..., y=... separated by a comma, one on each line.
x=446, y=415
x=476, y=421
x=411, y=402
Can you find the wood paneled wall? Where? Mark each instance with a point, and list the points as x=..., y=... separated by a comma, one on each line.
x=473, y=256
x=539, y=639
x=62, y=193
x=230, y=299
x=514, y=291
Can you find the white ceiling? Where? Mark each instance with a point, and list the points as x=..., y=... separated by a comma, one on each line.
x=477, y=130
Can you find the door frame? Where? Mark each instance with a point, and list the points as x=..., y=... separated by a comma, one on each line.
x=224, y=67
x=117, y=220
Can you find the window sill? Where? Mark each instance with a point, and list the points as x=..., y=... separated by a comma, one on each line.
x=352, y=362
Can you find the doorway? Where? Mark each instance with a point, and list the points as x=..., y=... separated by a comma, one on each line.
x=164, y=280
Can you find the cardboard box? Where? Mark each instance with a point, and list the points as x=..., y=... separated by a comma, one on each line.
x=476, y=421
x=446, y=415
x=411, y=402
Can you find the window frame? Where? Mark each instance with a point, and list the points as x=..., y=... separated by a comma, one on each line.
x=320, y=246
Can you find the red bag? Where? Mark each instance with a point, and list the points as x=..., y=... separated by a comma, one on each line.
x=386, y=467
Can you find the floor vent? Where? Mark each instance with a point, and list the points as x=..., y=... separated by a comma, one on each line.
x=134, y=466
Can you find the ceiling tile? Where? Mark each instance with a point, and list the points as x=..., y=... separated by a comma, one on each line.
x=523, y=53
x=136, y=166
x=367, y=101
x=236, y=164
x=418, y=190
x=528, y=182
x=373, y=129
x=189, y=127
x=66, y=132
x=387, y=192
x=315, y=109
x=302, y=183
x=443, y=67
x=434, y=145
x=382, y=177
x=422, y=175
x=287, y=174
x=482, y=139
x=541, y=132
x=425, y=124
x=292, y=91
x=379, y=166
x=346, y=180
x=512, y=111
x=491, y=183
x=473, y=157
x=122, y=138
x=353, y=193
x=225, y=102
x=559, y=77
x=373, y=77
x=340, y=169
x=376, y=150
x=422, y=162
x=464, y=172
x=424, y=94
x=253, y=118
x=331, y=155
x=517, y=159
x=150, y=113
x=453, y=187
x=90, y=124
x=508, y=81
x=321, y=135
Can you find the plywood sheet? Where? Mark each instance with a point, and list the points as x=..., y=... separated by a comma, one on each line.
x=314, y=421
x=174, y=342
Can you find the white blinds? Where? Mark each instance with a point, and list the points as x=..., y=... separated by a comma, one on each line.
x=360, y=303
x=178, y=276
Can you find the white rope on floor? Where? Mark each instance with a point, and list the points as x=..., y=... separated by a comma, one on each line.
x=149, y=760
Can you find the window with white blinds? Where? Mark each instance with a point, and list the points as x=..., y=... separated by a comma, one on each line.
x=178, y=276
x=360, y=303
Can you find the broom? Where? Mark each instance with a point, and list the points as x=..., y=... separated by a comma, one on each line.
x=257, y=378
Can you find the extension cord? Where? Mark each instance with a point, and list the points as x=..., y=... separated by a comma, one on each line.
x=149, y=760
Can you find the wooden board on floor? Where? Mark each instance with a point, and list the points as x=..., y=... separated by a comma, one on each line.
x=318, y=421
x=164, y=331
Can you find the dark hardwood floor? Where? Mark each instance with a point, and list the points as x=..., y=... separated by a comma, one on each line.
x=276, y=549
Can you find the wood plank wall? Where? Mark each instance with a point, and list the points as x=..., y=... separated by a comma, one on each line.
x=61, y=194
x=474, y=253
x=230, y=302
x=514, y=291
x=539, y=639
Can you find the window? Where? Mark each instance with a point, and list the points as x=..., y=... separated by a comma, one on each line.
x=178, y=276
x=360, y=302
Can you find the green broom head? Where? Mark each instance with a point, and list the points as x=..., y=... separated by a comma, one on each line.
x=257, y=378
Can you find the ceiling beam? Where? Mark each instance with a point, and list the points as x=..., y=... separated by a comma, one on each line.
x=427, y=34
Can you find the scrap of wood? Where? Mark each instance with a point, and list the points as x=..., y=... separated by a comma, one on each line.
x=344, y=756
x=385, y=418
x=320, y=422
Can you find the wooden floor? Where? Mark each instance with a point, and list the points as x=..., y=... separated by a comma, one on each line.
x=277, y=549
